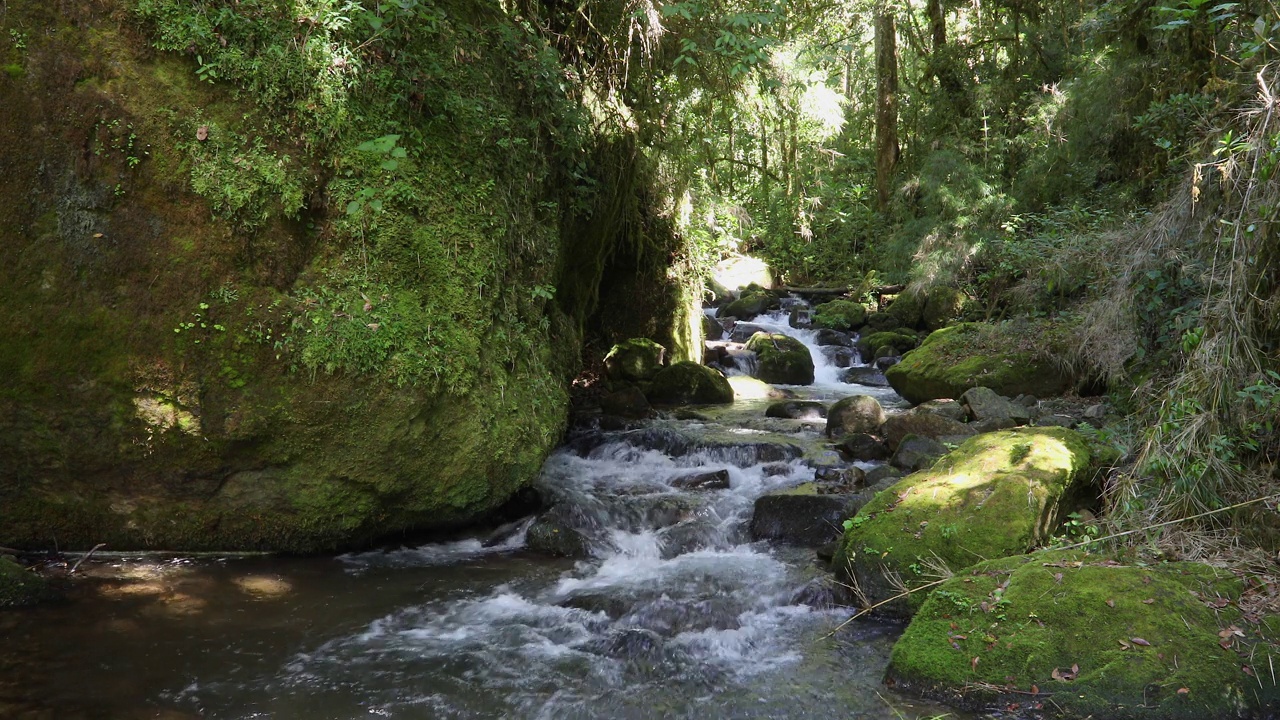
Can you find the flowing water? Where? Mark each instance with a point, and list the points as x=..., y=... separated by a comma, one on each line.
x=677, y=613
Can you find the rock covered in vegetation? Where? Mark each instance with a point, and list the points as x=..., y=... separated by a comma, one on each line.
x=908, y=307
x=1088, y=637
x=854, y=414
x=688, y=383
x=942, y=306
x=797, y=410
x=635, y=360
x=19, y=586
x=754, y=301
x=839, y=315
x=895, y=340
x=996, y=495
x=1010, y=359
x=782, y=359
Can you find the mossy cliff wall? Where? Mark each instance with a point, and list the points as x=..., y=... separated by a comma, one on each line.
x=277, y=274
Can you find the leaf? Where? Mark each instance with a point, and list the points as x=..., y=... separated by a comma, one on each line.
x=1057, y=577
x=1124, y=645
x=1247, y=670
x=1139, y=641
x=1218, y=603
x=1111, y=603
x=353, y=207
x=1183, y=691
x=974, y=663
x=202, y=133
x=1148, y=601
x=1035, y=689
x=390, y=165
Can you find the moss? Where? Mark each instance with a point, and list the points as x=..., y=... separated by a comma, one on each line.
x=781, y=359
x=752, y=303
x=20, y=587
x=908, y=307
x=839, y=315
x=1026, y=617
x=873, y=343
x=635, y=359
x=13, y=70
x=686, y=383
x=1011, y=358
x=996, y=495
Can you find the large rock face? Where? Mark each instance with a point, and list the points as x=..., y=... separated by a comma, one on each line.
x=1011, y=359
x=1089, y=637
x=996, y=495
x=239, y=315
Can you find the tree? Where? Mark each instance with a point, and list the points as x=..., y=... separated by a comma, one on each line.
x=886, y=104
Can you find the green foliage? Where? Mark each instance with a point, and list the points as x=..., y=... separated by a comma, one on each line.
x=244, y=181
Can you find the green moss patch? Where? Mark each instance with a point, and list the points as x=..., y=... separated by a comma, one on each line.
x=996, y=495
x=19, y=586
x=1011, y=358
x=1078, y=636
x=782, y=359
x=839, y=315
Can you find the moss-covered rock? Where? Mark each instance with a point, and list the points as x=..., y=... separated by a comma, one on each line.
x=996, y=495
x=854, y=414
x=634, y=360
x=839, y=315
x=908, y=307
x=781, y=359
x=19, y=586
x=870, y=345
x=688, y=383
x=1011, y=358
x=942, y=306
x=1076, y=636
x=751, y=304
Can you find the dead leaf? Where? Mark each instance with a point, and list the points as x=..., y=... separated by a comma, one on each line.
x=1065, y=675
x=1233, y=630
x=1111, y=603
x=1219, y=603
x=1224, y=644
x=1148, y=601
x=1057, y=577
x=1183, y=691
x=1124, y=645
x=1139, y=641
x=1035, y=689
x=98, y=236
x=1247, y=670
x=202, y=133
x=974, y=663
x=1075, y=669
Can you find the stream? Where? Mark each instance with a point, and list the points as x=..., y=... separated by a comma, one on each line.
x=676, y=614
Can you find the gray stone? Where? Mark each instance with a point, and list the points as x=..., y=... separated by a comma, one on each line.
x=743, y=331
x=629, y=402
x=802, y=515
x=949, y=409
x=800, y=319
x=917, y=453
x=835, y=480
x=1065, y=421
x=834, y=337
x=986, y=404
x=924, y=424
x=797, y=410
x=993, y=424
x=715, y=480
x=552, y=534
x=712, y=328
x=866, y=375
x=841, y=357
x=883, y=475
x=863, y=447
x=1095, y=412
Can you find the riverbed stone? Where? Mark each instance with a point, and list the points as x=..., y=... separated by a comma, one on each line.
x=781, y=359
x=634, y=360
x=743, y=331
x=868, y=375
x=747, y=307
x=871, y=345
x=833, y=337
x=628, y=402
x=997, y=495
x=688, y=383
x=908, y=307
x=839, y=315
x=841, y=357
x=802, y=515
x=917, y=453
x=854, y=414
x=714, y=480
x=1090, y=637
x=712, y=329
x=924, y=423
x=552, y=534
x=864, y=447
x=797, y=410
x=1009, y=358
x=983, y=403
x=881, y=321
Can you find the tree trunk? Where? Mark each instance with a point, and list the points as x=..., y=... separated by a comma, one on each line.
x=886, y=106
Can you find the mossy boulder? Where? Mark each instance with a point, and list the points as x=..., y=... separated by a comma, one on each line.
x=781, y=359
x=1010, y=358
x=854, y=414
x=901, y=342
x=19, y=586
x=634, y=360
x=839, y=315
x=942, y=306
x=751, y=304
x=688, y=383
x=908, y=307
x=996, y=495
x=1078, y=636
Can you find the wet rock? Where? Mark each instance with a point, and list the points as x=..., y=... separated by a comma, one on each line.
x=687, y=383
x=677, y=444
x=834, y=337
x=823, y=594
x=922, y=423
x=748, y=306
x=781, y=359
x=1065, y=421
x=884, y=363
x=716, y=480
x=854, y=414
x=996, y=495
x=863, y=447
x=552, y=534
x=634, y=644
x=775, y=469
x=629, y=402
x=986, y=404
x=503, y=533
x=634, y=360
x=742, y=332
x=877, y=476
x=610, y=605
x=993, y=424
x=835, y=480
x=839, y=315
x=841, y=357
x=802, y=515
x=916, y=453
x=947, y=408
x=866, y=375
x=712, y=329
x=800, y=318
x=669, y=617
x=689, y=536
x=797, y=410
x=655, y=512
